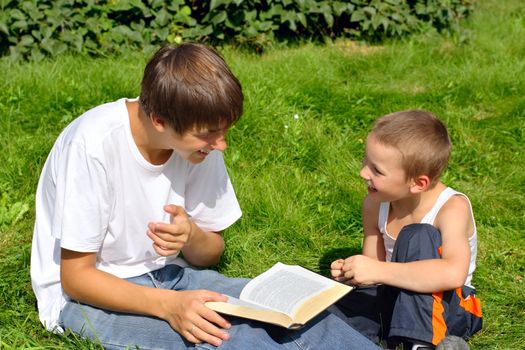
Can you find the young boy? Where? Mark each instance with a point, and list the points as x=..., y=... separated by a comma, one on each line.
x=131, y=186
x=419, y=249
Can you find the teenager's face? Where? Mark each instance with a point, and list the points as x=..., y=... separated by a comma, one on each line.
x=383, y=172
x=196, y=144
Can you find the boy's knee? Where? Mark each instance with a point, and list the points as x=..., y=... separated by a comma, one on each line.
x=417, y=242
x=426, y=230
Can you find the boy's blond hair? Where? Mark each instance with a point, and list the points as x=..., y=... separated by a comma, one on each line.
x=421, y=138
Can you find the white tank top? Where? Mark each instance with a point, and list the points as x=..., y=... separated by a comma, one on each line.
x=429, y=218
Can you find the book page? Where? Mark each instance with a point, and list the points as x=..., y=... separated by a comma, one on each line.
x=239, y=302
x=284, y=288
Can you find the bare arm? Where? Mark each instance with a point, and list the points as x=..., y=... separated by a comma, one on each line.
x=82, y=281
x=373, y=245
x=455, y=223
x=125, y=296
x=205, y=247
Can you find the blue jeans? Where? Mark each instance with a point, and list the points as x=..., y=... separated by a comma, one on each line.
x=119, y=331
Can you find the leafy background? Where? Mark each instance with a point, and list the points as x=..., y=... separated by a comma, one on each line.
x=37, y=28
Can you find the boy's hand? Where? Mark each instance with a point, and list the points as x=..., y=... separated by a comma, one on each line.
x=169, y=239
x=360, y=270
x=188, y=315
x=336, y=270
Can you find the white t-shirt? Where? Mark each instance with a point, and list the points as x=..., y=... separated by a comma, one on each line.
x=97, y=194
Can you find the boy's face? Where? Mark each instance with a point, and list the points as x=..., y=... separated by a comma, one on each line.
x=196, y=144
x=383, y=172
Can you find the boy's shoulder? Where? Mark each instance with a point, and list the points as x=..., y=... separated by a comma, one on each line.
x=455, y=208
x=457, y=202
x=450, y=198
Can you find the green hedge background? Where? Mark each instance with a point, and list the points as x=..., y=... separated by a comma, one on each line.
x=34, y=29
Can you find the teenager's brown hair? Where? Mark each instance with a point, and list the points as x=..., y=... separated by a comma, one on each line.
x=191, y=86
x=421, y=138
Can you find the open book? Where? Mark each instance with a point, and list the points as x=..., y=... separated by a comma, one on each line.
x=285, y=295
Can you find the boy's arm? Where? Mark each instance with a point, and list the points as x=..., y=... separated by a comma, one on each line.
x=183, y=310
x=373, y=244
x=455, y=223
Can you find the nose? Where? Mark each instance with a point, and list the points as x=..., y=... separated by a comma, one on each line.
x=364, y=172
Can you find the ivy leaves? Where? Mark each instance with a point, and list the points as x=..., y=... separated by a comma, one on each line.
x=33, y=29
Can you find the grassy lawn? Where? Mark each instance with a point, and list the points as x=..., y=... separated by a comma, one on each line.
x=294, y=157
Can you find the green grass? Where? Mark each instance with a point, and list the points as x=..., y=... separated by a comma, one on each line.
x=297, y=179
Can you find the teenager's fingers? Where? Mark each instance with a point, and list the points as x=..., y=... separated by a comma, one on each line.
x=209, y=295
x=209, y=327
x=204, y=335
x=215, y=318
x=165, y=230
x=190, y=337
x=167, y=241
x=167, y=237
x=165, y=244
x=163, y=251
x=174, y=210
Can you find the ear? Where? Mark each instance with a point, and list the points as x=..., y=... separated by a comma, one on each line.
x=158, y=124
x=419, y=184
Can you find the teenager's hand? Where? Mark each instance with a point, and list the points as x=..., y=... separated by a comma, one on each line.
x=361, y=270
x=169, y=239
x=187, y=314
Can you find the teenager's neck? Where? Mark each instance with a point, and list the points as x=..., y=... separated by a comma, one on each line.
x=418, y=205
x=145, y=135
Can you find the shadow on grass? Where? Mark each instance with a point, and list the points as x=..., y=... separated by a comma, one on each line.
x=336, y=253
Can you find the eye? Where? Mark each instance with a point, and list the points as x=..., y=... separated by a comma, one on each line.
x=377, y=171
